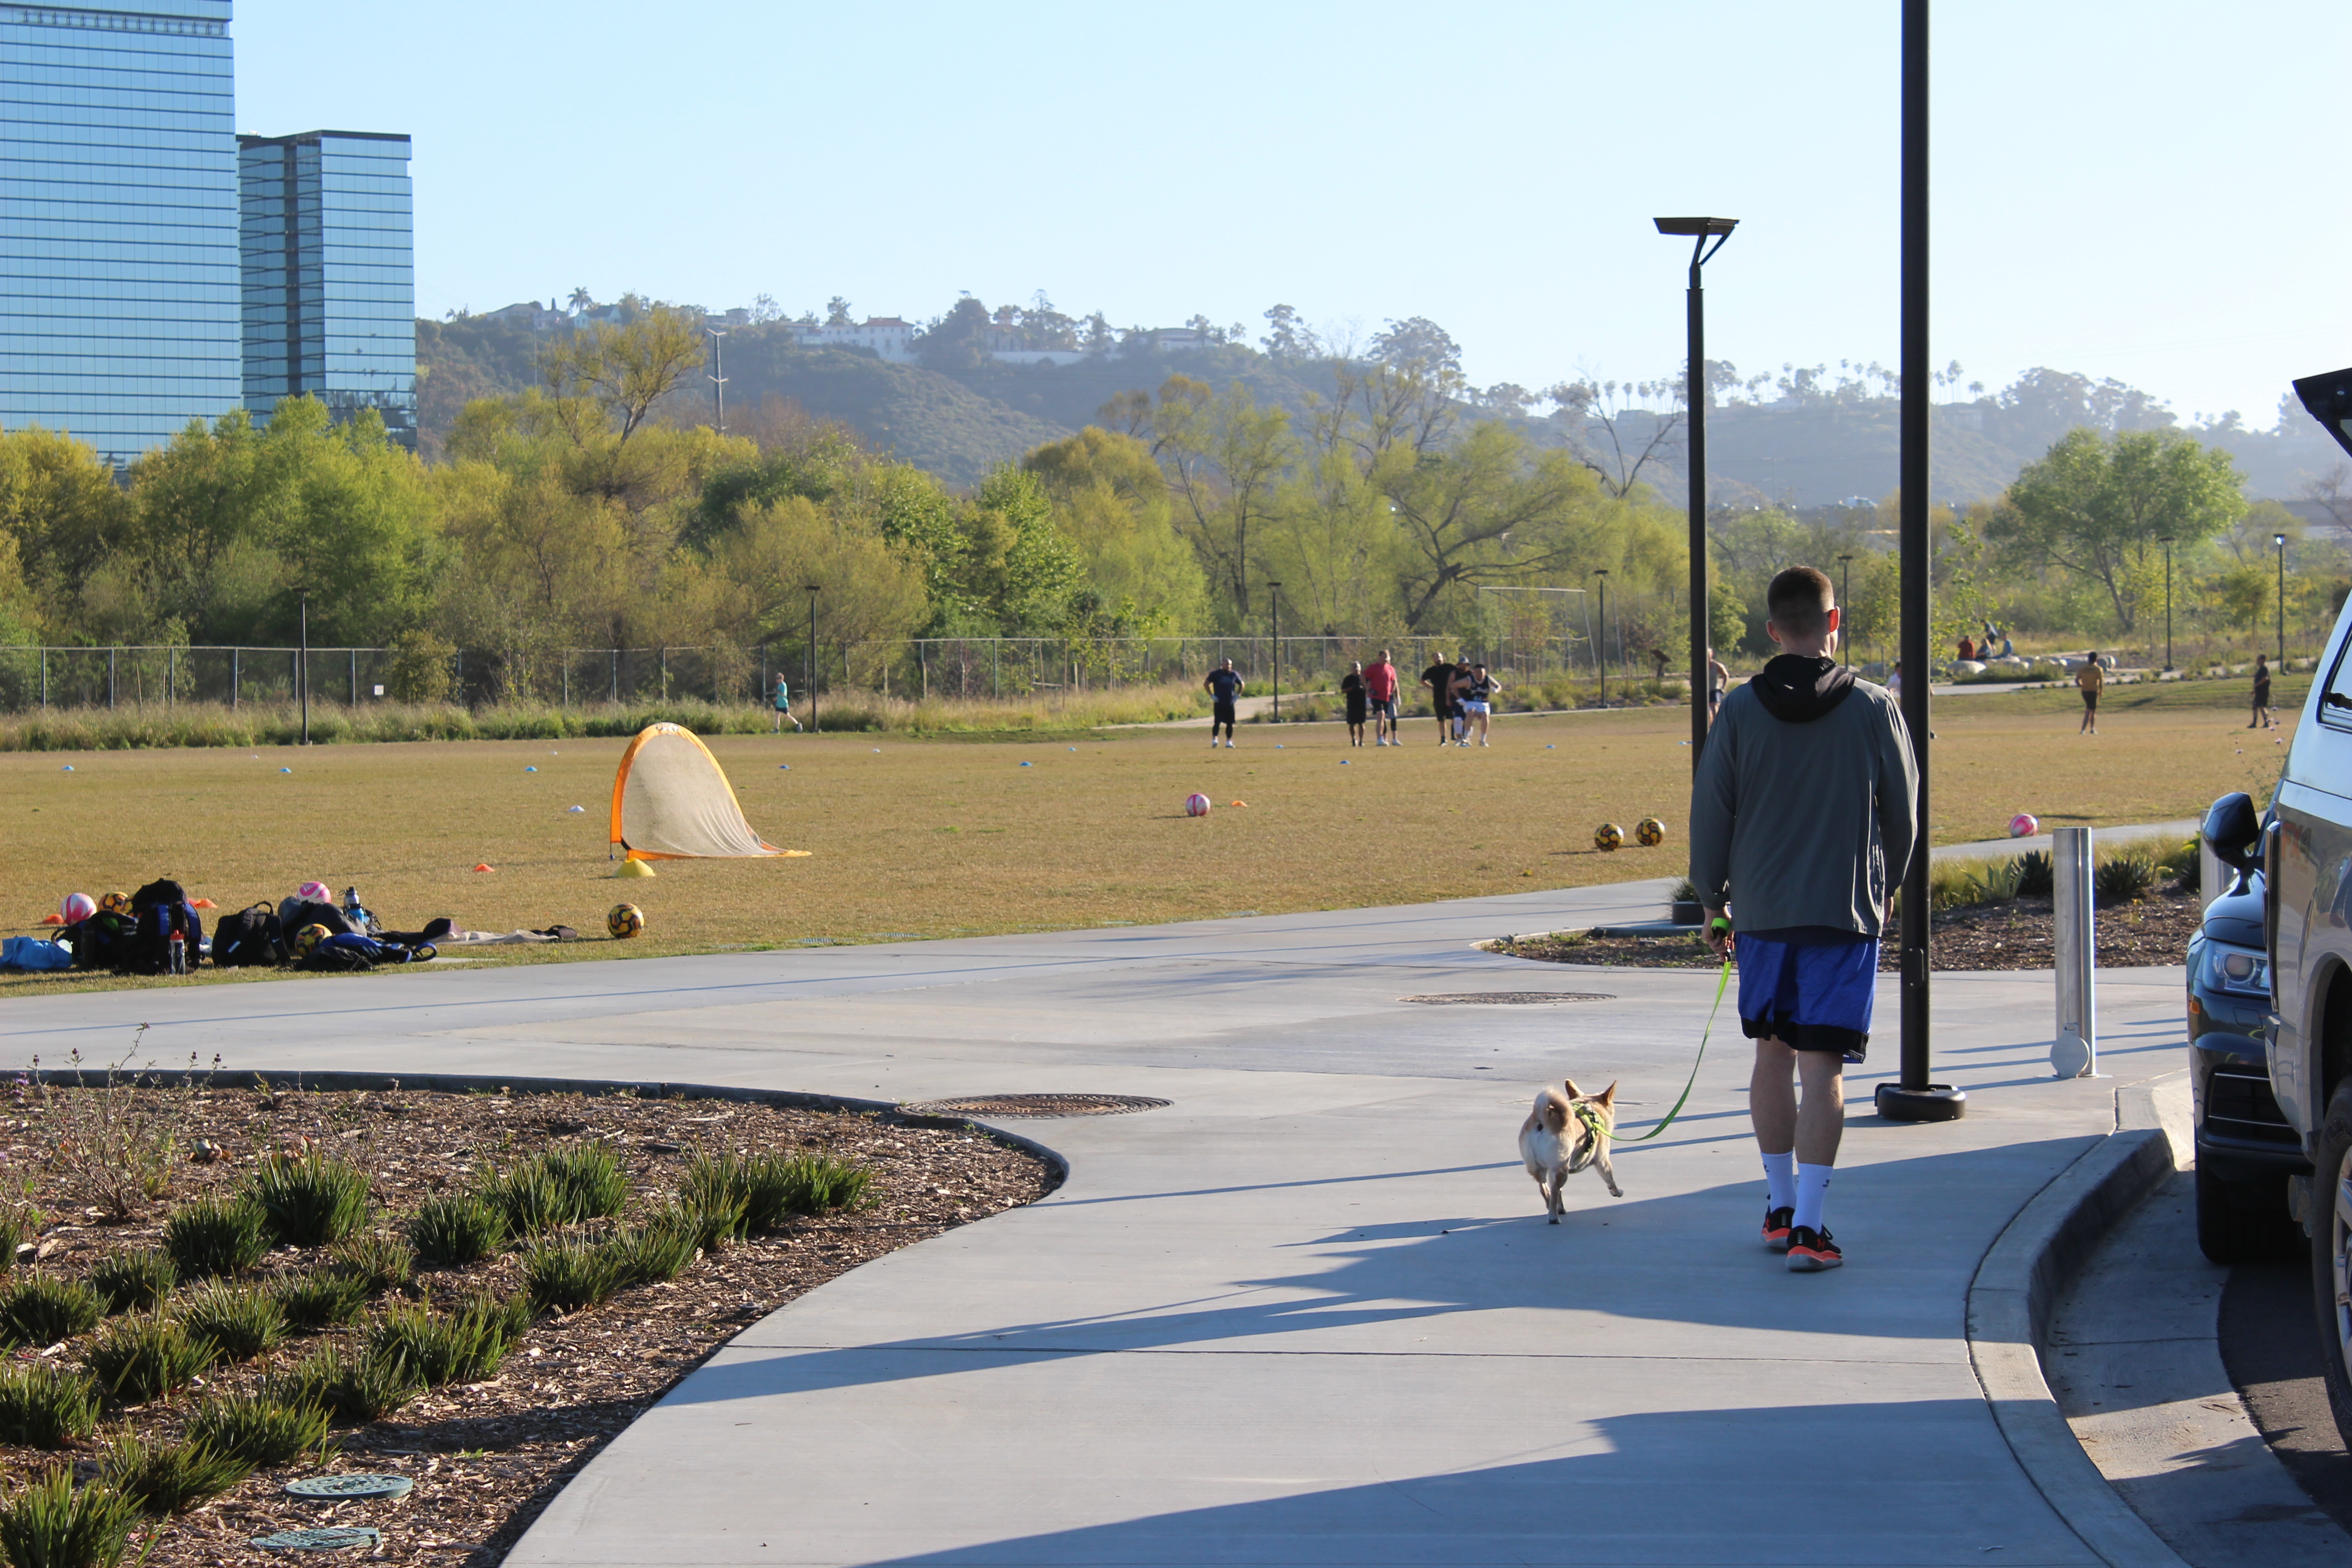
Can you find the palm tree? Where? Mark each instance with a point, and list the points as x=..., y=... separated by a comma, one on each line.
x=581, y=300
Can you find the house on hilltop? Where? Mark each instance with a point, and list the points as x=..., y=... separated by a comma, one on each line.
x=889, y=337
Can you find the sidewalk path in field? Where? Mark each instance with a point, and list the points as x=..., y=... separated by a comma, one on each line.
x=1309, y=1312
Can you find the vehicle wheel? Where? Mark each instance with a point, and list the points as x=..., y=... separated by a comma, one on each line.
x=2331, y=1253
x=2243, y=1222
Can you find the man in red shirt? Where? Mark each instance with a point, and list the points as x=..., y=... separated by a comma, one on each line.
x=1380, y=686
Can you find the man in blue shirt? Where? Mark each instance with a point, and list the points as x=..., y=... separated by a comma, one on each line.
x=1224, y=687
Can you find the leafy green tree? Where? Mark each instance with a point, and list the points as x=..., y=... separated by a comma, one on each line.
x=63, y=517
x=1489, y=510
x=1112, y=504
x=2097, y=505
x=1224, y=455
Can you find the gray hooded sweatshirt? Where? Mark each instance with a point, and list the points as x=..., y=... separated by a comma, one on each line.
x=1804, y=808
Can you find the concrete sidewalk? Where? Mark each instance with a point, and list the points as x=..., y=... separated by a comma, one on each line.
x=1309, y=1312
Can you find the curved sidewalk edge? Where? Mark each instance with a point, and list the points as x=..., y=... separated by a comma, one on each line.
x=2016, y=1287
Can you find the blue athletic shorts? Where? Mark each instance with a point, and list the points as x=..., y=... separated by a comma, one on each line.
x=1810, y=996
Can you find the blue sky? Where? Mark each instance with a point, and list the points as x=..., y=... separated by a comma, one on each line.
x=2136, y=190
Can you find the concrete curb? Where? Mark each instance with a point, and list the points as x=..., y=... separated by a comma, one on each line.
x=2016, y=1287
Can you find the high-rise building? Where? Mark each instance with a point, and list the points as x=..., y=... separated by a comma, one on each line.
x=156, y=267
x=330, y=295
x=119, y=286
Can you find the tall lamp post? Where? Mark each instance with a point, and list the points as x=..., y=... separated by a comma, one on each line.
x=811, y=668
x=1912, y=1097
x=718, y=375
x=2167, y=603
x=1600, y=649
x=1274, y=592
x=2280, y=540
x=302, y=670
x=1845, y=603
x=1699, y=231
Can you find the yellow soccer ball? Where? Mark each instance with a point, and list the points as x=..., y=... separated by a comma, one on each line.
x=115, y=903
x=1650, y=832
x=307, y=940
x=625, y=920
x=1608, y=835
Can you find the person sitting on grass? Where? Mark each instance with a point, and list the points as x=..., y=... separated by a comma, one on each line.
x=1803, y=818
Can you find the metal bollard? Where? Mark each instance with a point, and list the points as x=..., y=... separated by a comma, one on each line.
x=2075, y=1052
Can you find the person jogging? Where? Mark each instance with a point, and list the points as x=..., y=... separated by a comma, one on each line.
x=1439, y=678
x=784, y=705
x=1718, y=681
x=1478, y=692
x=2263, y=718
x=1223, y=687
x=1802, y=819
x=2093, y=680
x=1381, y=687
x=1351, y=686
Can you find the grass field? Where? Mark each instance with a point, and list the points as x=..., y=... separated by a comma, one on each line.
x=955, y=836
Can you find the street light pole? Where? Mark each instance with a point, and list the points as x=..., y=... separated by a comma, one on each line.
x=1602, y=651
x=2280, y=540
x=810, y=668
x=2167, y=603
x=1845, y=603
x=1274, y=592
x=1913, y=1097
x=302, y=671
x=1699, y=231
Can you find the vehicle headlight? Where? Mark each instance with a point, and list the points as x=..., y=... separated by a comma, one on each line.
x=2240, y=971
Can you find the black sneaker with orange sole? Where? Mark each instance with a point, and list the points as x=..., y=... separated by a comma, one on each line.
x=1810, y=1250
x=1776, y=1229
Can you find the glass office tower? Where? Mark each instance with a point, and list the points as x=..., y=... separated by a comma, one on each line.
x=330, y=293
x=118, y=264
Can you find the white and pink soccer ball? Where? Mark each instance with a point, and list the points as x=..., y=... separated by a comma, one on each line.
x=1196, y=805
x=314, y=893
x=2024, y=825
x=77, y=908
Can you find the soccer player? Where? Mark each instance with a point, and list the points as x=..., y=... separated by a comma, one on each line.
x=1802, y=818
x=2262, y=716
x=1439, y=678
x=784, y=706
x=1380, y=686
x=2092, y=679
x=1224, y=686
x=1478, y=692
x=1351, y=686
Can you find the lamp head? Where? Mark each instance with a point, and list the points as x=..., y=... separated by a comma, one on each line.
x=2279, y=540
x=1689, y=227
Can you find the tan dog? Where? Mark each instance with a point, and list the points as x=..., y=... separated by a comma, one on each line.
x=1556, y=1142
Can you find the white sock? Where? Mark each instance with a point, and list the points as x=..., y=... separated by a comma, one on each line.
x=1780, y=1175
x=1813, y=1187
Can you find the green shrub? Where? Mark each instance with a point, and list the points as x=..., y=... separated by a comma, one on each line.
x=773, y=1188
x=2183, y=862
x=308, y=1199
x=240, y=1323
x=455, y=1229
x=133, y=1281
x=215, y=1236
x=258, y=1430
x=2036, y=878
x=45, y=1405
x=141, y=1358
x=660, y=1249
x=165, y=1478
x=362, y=1390
x=48, y=1524
x=40, y=1310
x=378, y=1260
x=592, y=1183
x=463, y=1346
x=528, y=1199
x=12, y=1236
x=2124, y=876
x=321, y=1298
x=567, y=1273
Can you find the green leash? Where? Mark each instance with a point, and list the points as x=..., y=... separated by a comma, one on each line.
x=1591, y=1118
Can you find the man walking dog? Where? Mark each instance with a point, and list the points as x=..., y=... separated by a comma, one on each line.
x=1802, y=818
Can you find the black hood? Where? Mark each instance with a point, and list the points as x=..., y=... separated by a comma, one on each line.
x=1801, y=690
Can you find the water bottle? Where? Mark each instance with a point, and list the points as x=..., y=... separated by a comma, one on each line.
x=362, y=921
x=179, y=953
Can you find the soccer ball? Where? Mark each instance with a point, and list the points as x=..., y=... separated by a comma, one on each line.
x=307, y=940
x=2023, y=826
x=625, y=920
x=1651, y=832
x=115, y=903
x=1196, y=805
x=1608, y=835
x=77, y=908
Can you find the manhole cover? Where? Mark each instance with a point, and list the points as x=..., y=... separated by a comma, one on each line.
x=1506, y=998
x=340, y=1487
x=332, y=1538
x=1013, y=1106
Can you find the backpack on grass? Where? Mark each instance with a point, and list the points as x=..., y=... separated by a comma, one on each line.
x=168, y=937
x=248, y=937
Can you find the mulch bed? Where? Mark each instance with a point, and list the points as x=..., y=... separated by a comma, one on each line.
x=485, y=1458
x=2015, y=935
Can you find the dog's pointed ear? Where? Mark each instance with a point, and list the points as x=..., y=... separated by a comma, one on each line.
x=1609, y=1096
x=1570, y=1084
